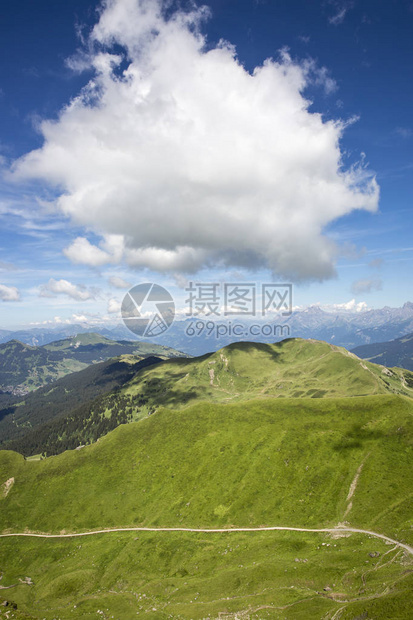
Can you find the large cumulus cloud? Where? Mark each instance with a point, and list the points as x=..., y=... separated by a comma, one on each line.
x=186, y=159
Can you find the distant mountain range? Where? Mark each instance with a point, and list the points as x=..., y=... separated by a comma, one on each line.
x=353, y=328
x=343, y=328
x=24, y=367
x=398, y=352
x=346, y=329
x=39, y=336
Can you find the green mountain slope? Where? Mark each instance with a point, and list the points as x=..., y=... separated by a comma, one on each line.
x=298, y=434
x=90, y=347
x=248, y=464
x=397, y=352
x=297, y=462
x=24, y=368
x=293, y=368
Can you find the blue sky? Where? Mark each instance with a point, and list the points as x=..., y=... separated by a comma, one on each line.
x=356, y=59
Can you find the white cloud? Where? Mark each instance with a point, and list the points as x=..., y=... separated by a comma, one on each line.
x=81, y=318
x=184, y=159
x=366, y=286
x=341, y=9
x=114, y=306
x=64, y=287
x=351, y=305
x=119, y=282
x=9, y=293
x=87, y=320
x=82, y=252
x=404, y=132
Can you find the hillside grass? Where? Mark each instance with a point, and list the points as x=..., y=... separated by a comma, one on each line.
x=285, y=436
x=293, y=368
x=272, y=462
x=258, y=576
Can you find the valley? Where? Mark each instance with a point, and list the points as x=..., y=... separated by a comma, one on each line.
x=24, y=368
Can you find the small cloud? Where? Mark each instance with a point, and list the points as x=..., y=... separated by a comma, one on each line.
x=319, y=76
x=347, y=306
x=304, y=39
x=376, y=263
x=366, y=286
x=64, y=287
x=82, y=252
x=323, y=79
x=351, y=305
x=118, y=282
x=341, y=9
x=114, y=306
x=9, y=293
x=86, y=320
x=404, y=132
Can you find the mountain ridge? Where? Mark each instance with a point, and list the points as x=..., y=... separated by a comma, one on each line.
x=343, y=327
x=25, y=367
x=397, y=352
x=294, y=368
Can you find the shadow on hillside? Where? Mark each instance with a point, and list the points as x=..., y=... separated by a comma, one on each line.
x=356, y=437
x=7, y=411
x=250, y=347
x=183, y=398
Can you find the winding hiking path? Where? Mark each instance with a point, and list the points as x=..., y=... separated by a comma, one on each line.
x=326, y=530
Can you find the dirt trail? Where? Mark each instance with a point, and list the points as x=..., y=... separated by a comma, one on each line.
x=324, y=530
x=6, y=486
x=353, y=486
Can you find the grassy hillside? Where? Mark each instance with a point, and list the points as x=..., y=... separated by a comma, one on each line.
x=160, y=576
x=293, y=368
x=397, y=352
x=24, y=368
x=296, y=434
x=263, y=462
x=88, y=347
